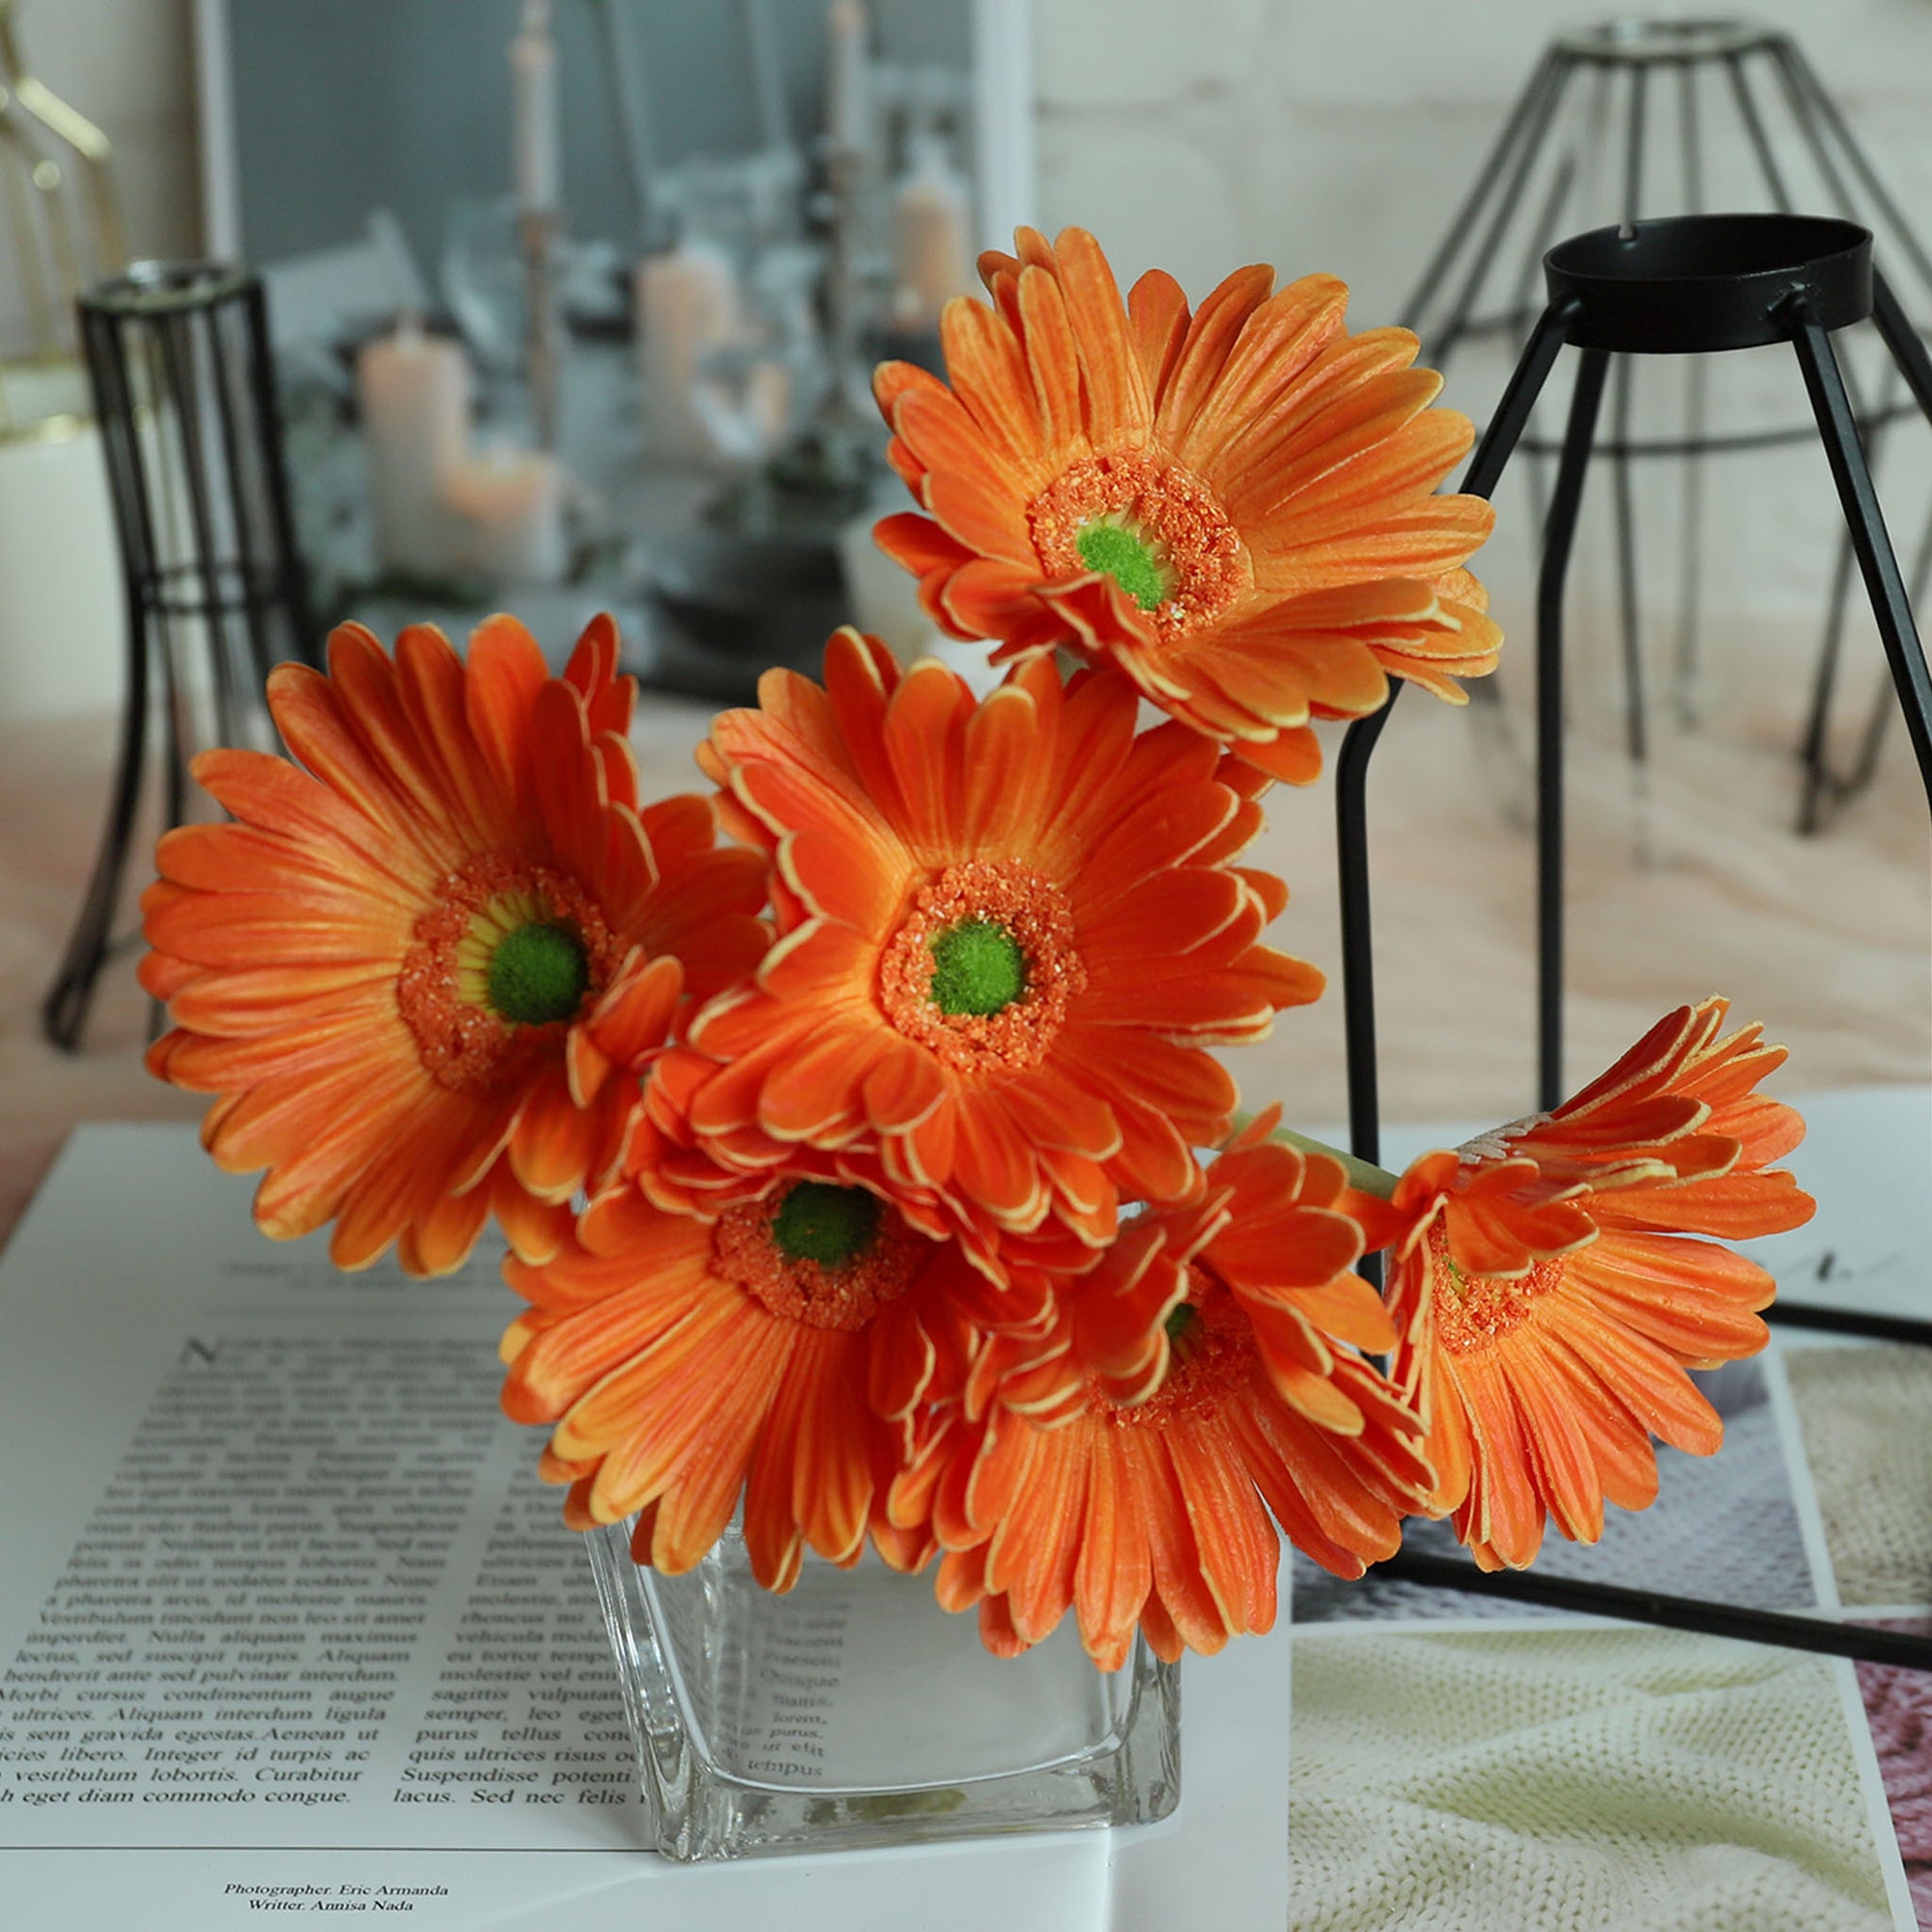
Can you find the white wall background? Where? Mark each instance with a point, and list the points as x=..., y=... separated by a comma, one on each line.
x=1339, y=133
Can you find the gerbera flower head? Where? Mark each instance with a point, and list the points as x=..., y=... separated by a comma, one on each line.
x=1233, y=505
x=1218, y=1392
x=424, y=966
x=1550, y=1291
x=771, y=1357
x=1007, y=935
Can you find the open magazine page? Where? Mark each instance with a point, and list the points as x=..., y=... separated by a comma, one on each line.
x=289, y=1626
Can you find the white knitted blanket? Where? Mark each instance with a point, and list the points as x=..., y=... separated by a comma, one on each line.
x=1594, y=1780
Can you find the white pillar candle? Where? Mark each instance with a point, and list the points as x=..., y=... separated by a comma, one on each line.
x=931, y=258
x=414, y=394
x=534, y=96
x=509, y=506
x=687, y=304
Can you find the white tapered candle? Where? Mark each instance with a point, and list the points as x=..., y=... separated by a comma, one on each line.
x=533, y=100
x=847, y=106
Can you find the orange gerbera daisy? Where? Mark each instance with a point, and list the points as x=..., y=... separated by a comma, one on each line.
x=1218, y=1387
x=424, y=973
x=1235, y=506
x=777, y=1353
x=1549, y=1301
x=1007, y=935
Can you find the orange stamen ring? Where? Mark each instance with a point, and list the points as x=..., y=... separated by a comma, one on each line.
x=1472, y=1311
x=1033, y=911
x=745, y=1249
x=443, y=989
x=1175, y=515
x=1205, y=1362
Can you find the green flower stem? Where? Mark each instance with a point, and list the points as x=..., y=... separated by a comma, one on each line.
x=1362, y=1174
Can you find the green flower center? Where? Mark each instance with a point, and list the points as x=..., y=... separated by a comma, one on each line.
x=978, y=967
x=537, y=974
x=1181, y=1318
x=832, y=1226
x=1134, y=561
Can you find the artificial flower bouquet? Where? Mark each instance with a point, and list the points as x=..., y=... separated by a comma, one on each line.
x=856, y=1127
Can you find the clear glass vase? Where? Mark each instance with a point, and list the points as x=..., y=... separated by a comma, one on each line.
x=854, y=1711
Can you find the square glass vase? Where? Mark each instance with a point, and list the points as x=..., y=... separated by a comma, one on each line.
x=855, y=1712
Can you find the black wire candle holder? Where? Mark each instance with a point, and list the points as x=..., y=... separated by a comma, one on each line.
x=1661, y=114
x=1691, y=285
x=178, y=361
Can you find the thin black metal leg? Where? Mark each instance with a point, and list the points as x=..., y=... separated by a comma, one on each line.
x=1824, y=689
x=65, y=1005
x=1850, y=1321
x=1901, y=1649
x=1485, y=693
x=1689, y=653
x=1792, y=62
x=1825, y=385
x=1585, y=400
x=1636, y=736
x=1444, y=341
x=1820, y=789
x=1802, y=113
x=1689, y=680
x=176, y=708
x=1907, y=345
x=1748, y=113
x=1358, y=970
x=1622, y=501
x=248, y=568
x=1414, y=311
x=1823, y=788
x=293, y=584
x=1519, y=400
x=1536, y=469
x=179, y=350
x=1358, y=744
x=64, y=1009
x=1812, y=801
x=1883, y=700
x=1871, y=740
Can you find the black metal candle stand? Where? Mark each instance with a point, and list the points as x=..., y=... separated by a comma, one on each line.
x=178, y=361
x=1691, y=285
x=1648, y=108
